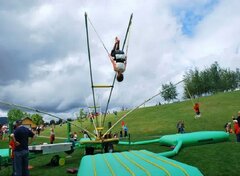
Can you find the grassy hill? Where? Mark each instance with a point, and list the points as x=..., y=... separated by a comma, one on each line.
x=216, y=110
x=153, y=122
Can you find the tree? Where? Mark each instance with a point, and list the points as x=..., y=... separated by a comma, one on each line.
x=59, y=122
x=215, y=77
x=210, y=80
x=82, y=115
x=205, y=82
x=52, y=122
x=193, y=84
x=15, y=114
x=169, y=92
x=69, y=119
x=37, y=119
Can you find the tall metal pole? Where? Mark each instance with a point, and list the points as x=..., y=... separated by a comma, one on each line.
x=90, y=66
x=126, y=35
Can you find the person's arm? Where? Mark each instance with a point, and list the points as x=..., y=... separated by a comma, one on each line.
x=32, y=139
x=15, y=141
x=32, y=136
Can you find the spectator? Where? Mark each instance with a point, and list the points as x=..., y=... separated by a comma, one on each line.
x=228, y=127
x=1, y=133
x=180, y=126
x=21, y=135
x=123, y=124
x=238, y=118
x=75, y=137
x=38, y=130
x=236, y=130
x=52, y=136
x=115, y=135
x=12, y=148
x=125, y=129
x=85, y=135
x=4, y=132
x=121, y=134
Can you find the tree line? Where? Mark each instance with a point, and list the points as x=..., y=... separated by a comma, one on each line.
x=206, y=82
x=17, y=114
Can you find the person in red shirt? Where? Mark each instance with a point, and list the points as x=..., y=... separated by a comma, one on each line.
x=12, y=148
x=52, y=136
x=237, y=130
x=123, y=124
x=197, y=110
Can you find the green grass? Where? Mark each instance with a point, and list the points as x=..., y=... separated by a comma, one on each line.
x=152, y=122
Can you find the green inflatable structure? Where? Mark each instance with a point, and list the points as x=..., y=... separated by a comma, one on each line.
x=138, y=163
x=185, y=139
x=144, y=162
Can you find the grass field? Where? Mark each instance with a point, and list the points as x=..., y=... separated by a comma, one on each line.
x=153, y=122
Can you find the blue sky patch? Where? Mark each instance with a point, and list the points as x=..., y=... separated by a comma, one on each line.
x=191, y=15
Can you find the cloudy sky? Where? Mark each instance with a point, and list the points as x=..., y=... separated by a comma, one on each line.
x=43, y=48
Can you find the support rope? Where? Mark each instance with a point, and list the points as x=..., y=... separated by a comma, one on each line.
x=190, y=95
x=42, y=112
x=137, y=108
x=98, y=35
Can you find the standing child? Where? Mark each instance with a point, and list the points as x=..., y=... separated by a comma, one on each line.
x=180, y=126
x=12, y=148
x=75, y=137
x=228, y=127
x=236, y=130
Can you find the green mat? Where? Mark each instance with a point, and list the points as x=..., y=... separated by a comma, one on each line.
x=137, y=163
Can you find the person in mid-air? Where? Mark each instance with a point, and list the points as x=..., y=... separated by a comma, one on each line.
x=197, y=110
x=118, y=59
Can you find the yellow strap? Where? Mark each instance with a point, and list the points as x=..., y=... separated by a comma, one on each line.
x=91, y=107
x=99, y=128
x=102, y=86
x=109, y=166
x=165, y=161
x=124, y=165
x=154, y=164
x=138, y=165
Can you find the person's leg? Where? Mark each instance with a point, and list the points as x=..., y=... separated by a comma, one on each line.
x=13, y=168
x=25, y=170
x=18, y=163
x=238, y=137
x=115, y=47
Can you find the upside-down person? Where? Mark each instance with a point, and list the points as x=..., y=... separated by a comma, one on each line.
x=197, y=110
x=118, y=59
